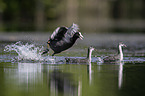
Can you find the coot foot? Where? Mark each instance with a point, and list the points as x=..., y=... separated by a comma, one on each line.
x=45, y=51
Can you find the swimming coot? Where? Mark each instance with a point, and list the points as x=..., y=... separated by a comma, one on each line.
x=63, y=38
x=86, y=60
x=118, y=57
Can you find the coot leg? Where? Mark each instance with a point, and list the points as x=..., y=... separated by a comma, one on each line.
x=45, y=51
x=53, y=54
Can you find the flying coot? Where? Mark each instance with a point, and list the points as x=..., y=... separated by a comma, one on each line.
x=63, y=38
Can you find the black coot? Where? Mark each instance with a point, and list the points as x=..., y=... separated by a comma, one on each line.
x=63, y=38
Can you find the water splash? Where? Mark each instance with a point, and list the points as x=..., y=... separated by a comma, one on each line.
x=28, y=52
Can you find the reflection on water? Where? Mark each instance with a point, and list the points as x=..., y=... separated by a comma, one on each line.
x=27, y=73
x=62, y=82
x=120, y=75
x=29, y=76
x=69, y=80
x=89, y=71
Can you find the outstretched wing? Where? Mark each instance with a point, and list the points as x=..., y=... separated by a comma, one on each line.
x=64, y=32
x=59, y=33
x=72, y=30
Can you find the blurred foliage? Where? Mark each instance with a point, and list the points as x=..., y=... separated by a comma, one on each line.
x=2, y=6
x=91, y=15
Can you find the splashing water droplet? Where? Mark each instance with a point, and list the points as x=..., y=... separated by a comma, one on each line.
x=28, y=52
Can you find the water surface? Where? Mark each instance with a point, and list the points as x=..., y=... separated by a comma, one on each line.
x=24, y=71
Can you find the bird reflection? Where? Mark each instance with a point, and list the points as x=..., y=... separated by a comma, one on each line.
x=120, y=74
x=89, y=68
x=61, y=82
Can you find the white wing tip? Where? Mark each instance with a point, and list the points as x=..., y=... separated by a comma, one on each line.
x=75, y=26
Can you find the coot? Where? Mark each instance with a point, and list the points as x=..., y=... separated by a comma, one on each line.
x=63, y=38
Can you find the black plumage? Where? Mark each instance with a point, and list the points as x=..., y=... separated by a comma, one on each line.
x=63, y=38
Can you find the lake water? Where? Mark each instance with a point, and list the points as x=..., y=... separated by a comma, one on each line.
x=24, y=72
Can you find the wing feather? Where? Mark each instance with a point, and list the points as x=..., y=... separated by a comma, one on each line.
x=72, y=30
x=55, y=33
x=59, y=33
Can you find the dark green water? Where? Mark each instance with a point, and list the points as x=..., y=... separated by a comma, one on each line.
x=30, y=78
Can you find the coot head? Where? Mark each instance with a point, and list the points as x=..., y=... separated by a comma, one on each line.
x=78, y=35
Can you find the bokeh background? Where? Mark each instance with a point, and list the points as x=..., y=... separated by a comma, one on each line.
x=26, y=25
x=91, y=15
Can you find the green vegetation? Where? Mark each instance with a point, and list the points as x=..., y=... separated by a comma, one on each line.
x=91, y=15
